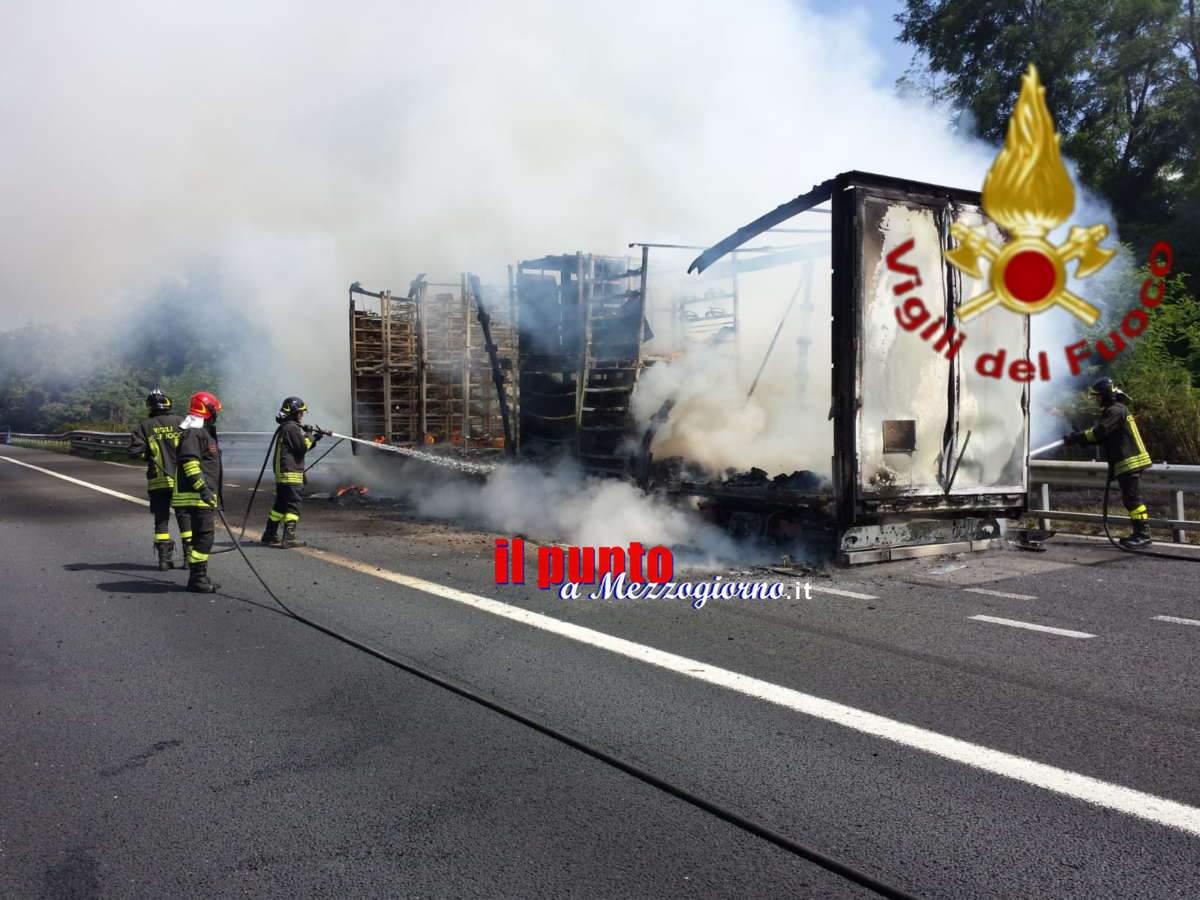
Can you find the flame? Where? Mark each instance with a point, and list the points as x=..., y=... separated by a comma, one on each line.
x=356, y=489
x=1028, y=189
x=379, y=440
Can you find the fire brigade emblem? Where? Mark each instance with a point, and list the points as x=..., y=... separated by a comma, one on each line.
x=1028, y=192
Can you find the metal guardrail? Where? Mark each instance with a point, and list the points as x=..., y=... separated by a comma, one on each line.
x=118, y=441
x=1162, y=477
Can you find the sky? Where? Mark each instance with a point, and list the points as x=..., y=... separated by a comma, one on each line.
x=880, y=28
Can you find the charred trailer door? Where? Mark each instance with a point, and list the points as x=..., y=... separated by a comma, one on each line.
x=927, y=451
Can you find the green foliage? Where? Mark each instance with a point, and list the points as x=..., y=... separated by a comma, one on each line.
x=1159, y=369
x=58, y=378
x=1122, y=81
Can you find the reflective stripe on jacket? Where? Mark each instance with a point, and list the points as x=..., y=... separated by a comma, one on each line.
x=199, y=457
x=155, y=440
x=290, y=448
x=1118, y=433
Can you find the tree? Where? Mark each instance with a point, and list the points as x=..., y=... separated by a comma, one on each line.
x=1122, y=80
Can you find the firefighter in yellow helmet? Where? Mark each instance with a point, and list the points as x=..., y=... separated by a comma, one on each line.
x=154, y=440
x=292, y=443
x=198, y=485
x=1117, y=432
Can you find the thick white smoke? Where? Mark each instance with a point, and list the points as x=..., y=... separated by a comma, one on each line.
x=297, y=147
x=288, y=149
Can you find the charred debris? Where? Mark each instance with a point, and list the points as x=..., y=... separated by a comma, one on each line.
x=923, y=459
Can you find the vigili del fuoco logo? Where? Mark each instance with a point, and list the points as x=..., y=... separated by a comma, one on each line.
x=1028, y=192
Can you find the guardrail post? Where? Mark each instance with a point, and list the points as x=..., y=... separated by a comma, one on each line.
x=1178, y=535
x=1044, y=524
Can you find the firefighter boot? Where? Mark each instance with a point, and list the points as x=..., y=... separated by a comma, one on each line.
x=198, y=582
x=166, y=550
x=185, y=545
x=270, y=535
x=1140, y=539
x=289, y=537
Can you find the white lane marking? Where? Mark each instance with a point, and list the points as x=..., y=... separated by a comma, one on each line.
x=232, y=484
x=1060, y=781
x=1177, y=620
x=109, y=462
x=86, y=484
x=1003, y=594
x=840, y=593
x=1050, y=778
x=1065, y=632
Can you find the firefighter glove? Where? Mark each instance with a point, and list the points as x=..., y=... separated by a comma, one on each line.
x=208, y=495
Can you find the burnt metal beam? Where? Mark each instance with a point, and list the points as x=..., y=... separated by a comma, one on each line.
x=817, y=195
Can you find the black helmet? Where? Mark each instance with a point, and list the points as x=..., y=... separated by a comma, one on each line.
x=290, y=409
x=1108, y=392
x=157, y=401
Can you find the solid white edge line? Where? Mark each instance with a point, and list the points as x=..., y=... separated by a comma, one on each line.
x=1051, y=778
x=1004, y=594
x=1177, y=620
x=86, y=484
x=1064, y=632
x=1060, y=781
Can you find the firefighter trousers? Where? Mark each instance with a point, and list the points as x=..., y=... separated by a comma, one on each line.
x=160, y=507
x=1131, y=496
x=288, y=500
x=197, y=524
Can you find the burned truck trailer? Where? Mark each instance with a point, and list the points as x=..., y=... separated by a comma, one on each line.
x=581, y=322
x=421, y=369
x=558, y=358
x=927, y=455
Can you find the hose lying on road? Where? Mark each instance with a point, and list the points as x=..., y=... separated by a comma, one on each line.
x=725, y=814
x=1156, y=553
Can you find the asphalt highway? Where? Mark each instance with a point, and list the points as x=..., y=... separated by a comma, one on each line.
x=1004, y=725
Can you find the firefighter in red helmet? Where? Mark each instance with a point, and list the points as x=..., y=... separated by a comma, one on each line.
x=198, y=485
x=155, y=440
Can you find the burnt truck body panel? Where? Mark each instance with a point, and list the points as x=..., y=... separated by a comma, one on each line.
x=923, y=445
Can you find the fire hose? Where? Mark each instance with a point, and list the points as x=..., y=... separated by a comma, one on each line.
x=1107, y=491
x=824, y=861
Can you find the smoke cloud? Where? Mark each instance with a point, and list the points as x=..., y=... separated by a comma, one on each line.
x=283, y=150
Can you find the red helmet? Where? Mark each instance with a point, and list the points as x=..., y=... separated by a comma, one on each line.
x=204, y=405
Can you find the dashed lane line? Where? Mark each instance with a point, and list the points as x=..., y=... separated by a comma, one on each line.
x=1063, y=632
x=838, y=592
x=1177, y=620
x=1004, y=594
x=86, y=484
x=1074, y=785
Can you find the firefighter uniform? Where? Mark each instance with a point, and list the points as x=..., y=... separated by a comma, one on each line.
x=292, y=443
x=290, y=450
x=155, y=440
x=1117, y=432
x=198, y=491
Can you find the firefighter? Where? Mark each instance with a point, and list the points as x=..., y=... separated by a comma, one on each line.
x=198, y=485
x=292, y=442
x=1117, y=432
x=155, y=440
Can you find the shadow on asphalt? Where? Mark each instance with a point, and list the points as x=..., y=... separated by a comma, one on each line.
x=139, y=587
x=144, y=584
